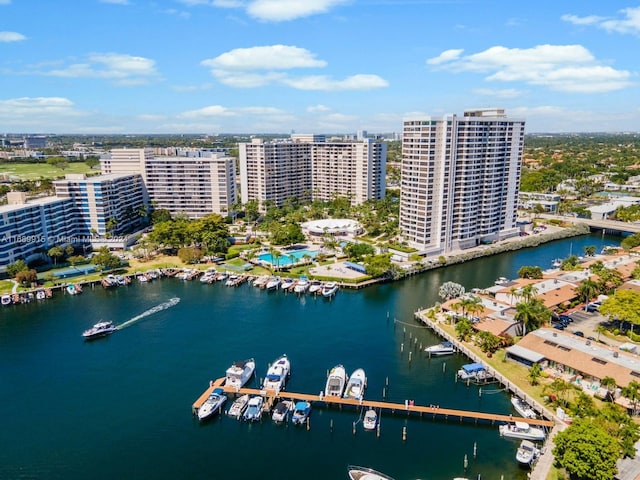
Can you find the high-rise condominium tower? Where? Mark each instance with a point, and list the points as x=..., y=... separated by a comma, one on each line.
x=460, y=180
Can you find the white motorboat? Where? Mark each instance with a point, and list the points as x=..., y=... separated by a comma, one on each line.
x=301, y=412
x=277, y=374
x=527, y=452
x=370, y=420
x=302, y=286
x=315, y=287
x=501, y=281
x=260, y=281
x=287, y=283
x=209, y=275
x=238, y=406
x=336, y=382
x=254, y=409
x=281, y=411
x=356, y=384
x=444, y=348
x=100, y=329
x=364, y=473
x=474, y=372
x=273, y=283
x=238, y=374
x=523, y=431
x=522, y=407
x=232, y=280
x=213, y=404
x=5, y=299
x=329, y=289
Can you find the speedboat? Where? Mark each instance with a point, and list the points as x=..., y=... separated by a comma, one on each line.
x=213, y=404
x=336, y=382
x=302, y=286
x=522, y=407
x=444, y=348
x=315, y=287
x=356, y=385
x=232, y=280
x=287, y=283
x=301, y=412
x=237, y=407
x=277, y=374
x=364, y=473
x=260, y=281
x=5, y=299
x=527, y=452
x=523, y=431
x=475, y=372
x=254, y=409
x=239, y=373
x=329, y=289
x=100, y=329
x=273, y=283
x=370, y=420
x=281, y=411
x=209, y=276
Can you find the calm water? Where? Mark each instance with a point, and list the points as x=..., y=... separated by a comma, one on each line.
x=120, y=407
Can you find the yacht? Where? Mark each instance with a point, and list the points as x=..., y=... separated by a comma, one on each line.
x=522, y=407
x=239, y=373
x=273, y=283
x=232, y=280
x=329, y=289
x=254, y=409
x=444, y=348
x=213, y=404
x=364, y=473
x=287, y=283
x=315, y=287
x=523, y=431
x=370, y=420
x=501, y=281
x=336, y=382
x=261, y=281
x=238, y=406
x=100, y=329
x=527, y=452
x=209, y=276
x=302, y=286
x=281, y=411
x=301, y=412
x=277, y=374
x=356, y=385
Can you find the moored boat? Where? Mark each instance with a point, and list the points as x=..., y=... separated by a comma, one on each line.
x=287, y=283
x=100, y=329
x=281, y=411
x=336, y=382
x=522, y=407
x=301, y=412
x=365, y=473
x=6, y=299
x=443, y=348
x=356, y=385
x=527, y=452
x=302, y=286
x=523, y=431
x=238, y=374
x=254, y=409
x=474, y=372
x=212, y=405
x=238, y=406
x=329, y=289
x=315, y=287
x=273, y=283
x=370, y=420
x=277, y=374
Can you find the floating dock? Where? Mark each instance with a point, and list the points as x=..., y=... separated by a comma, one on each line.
x=408, y=407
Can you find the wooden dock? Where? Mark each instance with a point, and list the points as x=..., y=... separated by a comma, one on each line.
x=434, y=410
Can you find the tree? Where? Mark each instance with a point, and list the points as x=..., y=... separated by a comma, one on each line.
x=55, y=252
x=587, y=290
x=378, y=265
x=27, y=277
x=160, y=215
x=531, y=314
x=92, y=162
x=535, y=372
x=464, y=329
x=589, y=250
x=18, y=266
x=530, y=272
x=356, y=251
x=632, y=392
x=449, y=290
x=190, y=254
x=105, y=259
x=586, y=451
x=623, y=304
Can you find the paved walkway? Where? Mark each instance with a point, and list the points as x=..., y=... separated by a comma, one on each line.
x=543, y=466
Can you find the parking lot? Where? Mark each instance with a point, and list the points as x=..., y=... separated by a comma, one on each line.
x=587, y=323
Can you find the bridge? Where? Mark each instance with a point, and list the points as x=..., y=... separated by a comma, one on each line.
x=611, y=225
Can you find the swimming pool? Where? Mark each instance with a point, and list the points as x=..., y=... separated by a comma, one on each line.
x=287, y=258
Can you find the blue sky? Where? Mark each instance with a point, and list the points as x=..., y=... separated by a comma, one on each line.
x=314, y=66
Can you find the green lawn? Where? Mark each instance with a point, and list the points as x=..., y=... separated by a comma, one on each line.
x=35, y=171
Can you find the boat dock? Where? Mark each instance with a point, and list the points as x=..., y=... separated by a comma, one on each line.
x=408, y=407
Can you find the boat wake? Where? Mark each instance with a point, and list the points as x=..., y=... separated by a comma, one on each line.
x=151, y=311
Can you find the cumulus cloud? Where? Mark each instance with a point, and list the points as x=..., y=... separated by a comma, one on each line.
x=317, y=108
x=265, y=65
x=11, y=37
x=37, y=112
x=504, y=93
x=629, y=23
x=121, y=69
x=283, y=10
x=567, y=68
x=446, y=56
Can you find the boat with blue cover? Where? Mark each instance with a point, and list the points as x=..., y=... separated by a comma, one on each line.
x=301, y=412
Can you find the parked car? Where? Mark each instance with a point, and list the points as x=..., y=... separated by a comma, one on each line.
x=559, y=326
x=565, y=318
x=578, y=334
x=593, y=307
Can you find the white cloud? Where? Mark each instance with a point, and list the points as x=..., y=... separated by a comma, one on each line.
x=446, y=56
x=11, y=37
x=121, y=69
x=318, y=108
x=629, y=24
x=283, y=10
x=321, y=82
x=210, y=111
x=567, y=68
x=505, y=93
x=35, y=113
x=272, y=57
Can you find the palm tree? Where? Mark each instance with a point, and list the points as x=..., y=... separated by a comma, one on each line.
x=528, y=293
x=534, y=373
x=587, y=290
x=632, y=392
x=609, y=383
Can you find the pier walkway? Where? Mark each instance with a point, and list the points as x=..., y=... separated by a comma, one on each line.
x=408, y=407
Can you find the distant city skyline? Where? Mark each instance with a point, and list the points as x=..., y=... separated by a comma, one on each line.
x=314, y=66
